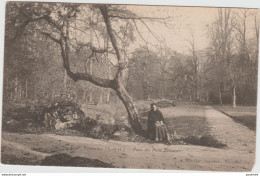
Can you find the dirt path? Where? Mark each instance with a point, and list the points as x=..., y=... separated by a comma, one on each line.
x=145, y=155
x=235, y=135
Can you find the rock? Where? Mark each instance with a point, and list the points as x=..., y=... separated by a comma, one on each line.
x=105, y=118
x=175, y=136
x=12, y=122
x=99, y=113
x=97, y=129
x=59, y=125
x=76, y=116
x=49, y=121
x=12, y=125
x=68, y=117
x=122, y=121
x=117, y=133
x=72, y=123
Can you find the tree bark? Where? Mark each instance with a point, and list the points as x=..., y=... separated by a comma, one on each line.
x=16, y=83
x=65, y=82
x=101, y=97
x=121, y=77
x=26, y=88
x=133, y=117
x=190, y=95
x=220, y=95
x=234, y=101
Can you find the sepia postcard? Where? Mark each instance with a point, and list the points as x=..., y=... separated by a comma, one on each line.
x=129, y=86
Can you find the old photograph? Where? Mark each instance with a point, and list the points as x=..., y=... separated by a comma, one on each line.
x=130, y=86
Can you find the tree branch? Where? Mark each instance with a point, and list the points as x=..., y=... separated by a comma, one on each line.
x=51, y=37
x=104, y=12
x=106, y=83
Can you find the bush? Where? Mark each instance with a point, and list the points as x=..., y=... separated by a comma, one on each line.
x=206, y=140
x=40, y=115
x=165, y=103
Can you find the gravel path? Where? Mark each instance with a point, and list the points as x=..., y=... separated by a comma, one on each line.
x=235, y=135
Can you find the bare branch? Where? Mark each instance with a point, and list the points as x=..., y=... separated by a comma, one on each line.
x=106, y=83
x=104, y=12
x=51, y=37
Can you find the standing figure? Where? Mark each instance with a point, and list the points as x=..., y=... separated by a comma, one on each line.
x=156, y=128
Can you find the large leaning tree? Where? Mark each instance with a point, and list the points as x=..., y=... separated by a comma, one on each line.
x=97, y=28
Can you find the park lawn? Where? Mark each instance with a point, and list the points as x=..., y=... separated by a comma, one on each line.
x=245, y=115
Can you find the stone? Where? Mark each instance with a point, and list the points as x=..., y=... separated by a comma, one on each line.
x=59, y=125
x=117, y=133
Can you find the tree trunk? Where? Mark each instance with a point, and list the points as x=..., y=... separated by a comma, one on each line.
x=220, y=95
x=26, y=88
x=65, y=82
x=234, y=103
x=196, y=93
x=109, y=76
x=101, y=97
x=7, y=92
x=190, y=95
x=133, y=117
x=16, y=88
x=20, y=91
x=108, y=96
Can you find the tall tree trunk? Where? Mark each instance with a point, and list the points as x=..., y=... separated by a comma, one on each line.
x=108, y=96
x=234, y=103
x=180, y=97
x=196, y=93
x=16, y=88
x=20, y=91
x=7, y=92
x=220, y=95
x=101, y=97
x=123, y=95
x=90, y=72
x=190, y=95
x=108, y=90
x=91, y=64
x=65, y=82
x=133, y=117
x=26, y=88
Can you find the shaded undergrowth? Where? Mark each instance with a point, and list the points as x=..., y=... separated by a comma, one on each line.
x=63, y=159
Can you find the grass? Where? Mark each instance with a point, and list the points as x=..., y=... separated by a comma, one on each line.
x=186, y=126
x=192, y=130
x=245, y=115
x=186, y=120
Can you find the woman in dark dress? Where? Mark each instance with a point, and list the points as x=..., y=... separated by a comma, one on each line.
x=156, y=127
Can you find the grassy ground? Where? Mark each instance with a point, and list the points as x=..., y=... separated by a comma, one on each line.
x=245, y=115
x=186, y=122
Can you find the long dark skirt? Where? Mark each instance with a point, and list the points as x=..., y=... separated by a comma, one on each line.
x=158, y=133
x=161, y=133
